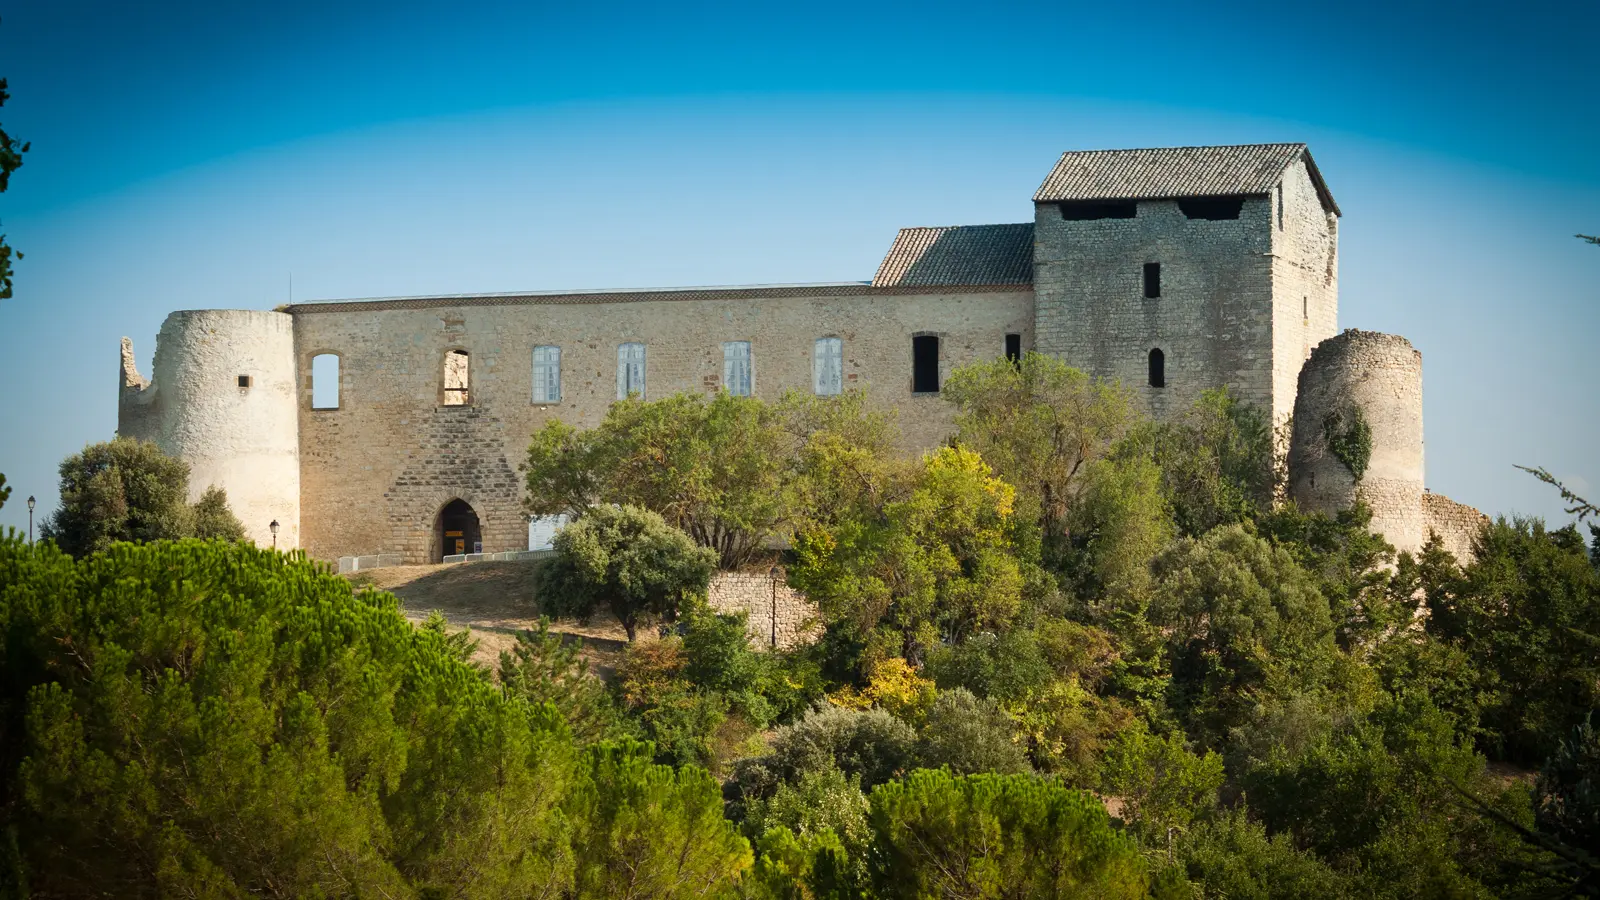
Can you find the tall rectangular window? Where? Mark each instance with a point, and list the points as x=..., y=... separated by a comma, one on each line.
x=325, y=381
x=1152, y=280
x=736, y=370
x=827, y=367
x=925, y=364
x=630, y=370
x=546, y=374
x=1014, y=349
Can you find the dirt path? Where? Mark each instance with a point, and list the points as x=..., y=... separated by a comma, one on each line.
x=494, y=599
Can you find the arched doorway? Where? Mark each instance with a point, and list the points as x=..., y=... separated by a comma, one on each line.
x=458, y=529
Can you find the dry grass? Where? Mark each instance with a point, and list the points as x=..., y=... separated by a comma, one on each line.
x=494, y=599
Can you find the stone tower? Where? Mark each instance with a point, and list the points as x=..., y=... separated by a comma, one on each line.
x=1184, y=269
x=1379, y=375
x=222, y=398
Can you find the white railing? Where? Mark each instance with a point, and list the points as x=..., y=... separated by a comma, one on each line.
x=348, y=564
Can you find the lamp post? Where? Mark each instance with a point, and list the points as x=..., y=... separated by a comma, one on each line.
x=30, y=520
x=274, y=529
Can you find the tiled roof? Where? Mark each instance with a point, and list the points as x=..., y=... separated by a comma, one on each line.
x=959, y=254
x=1166, y=172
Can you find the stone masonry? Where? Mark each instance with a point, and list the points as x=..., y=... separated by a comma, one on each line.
x=779, y=615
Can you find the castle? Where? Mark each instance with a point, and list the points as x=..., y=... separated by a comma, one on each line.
x=1174, y=270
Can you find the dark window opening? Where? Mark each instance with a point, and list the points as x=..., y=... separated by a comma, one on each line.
x=1305, y=308
x=1158, y=368
x=1212, y=207
x=1014, y=349
x=925, y=364
x=244, y=381
x=1087, y=210
x=1152, y=280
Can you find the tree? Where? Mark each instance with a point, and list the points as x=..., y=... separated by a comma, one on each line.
x=932, y=557
x=628, y=560
x=1000, y=836
x=1038, y=423
x=11, y=152
x=206, y=718
x=967, y=735
x=1216, y=462
x=1163, y=785
x=542, y=668
x=649, y=832
x=129, y=490
x=719, y=468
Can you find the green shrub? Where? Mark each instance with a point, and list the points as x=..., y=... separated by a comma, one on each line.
x=967, y=735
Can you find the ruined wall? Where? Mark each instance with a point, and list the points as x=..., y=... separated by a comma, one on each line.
x=242, y=438
x=1381, y=374
x=1213, y=320
x=779, y=615
x=1305, y=281
x=376, y=471
x=1457, y=525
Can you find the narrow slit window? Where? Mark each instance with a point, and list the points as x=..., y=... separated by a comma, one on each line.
x=827, y=367
x=325, y=381
x=457, y=378
x=630, y=371
x=925, y=364
x=737, y=376
x=1014, y=349
x=1158, y=368
x=546, y=374
x=1152, y=280
x=1305, y=308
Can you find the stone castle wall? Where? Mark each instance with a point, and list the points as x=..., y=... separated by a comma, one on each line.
x=1456, y=524
x=240, y=437
x=375, y=472
x=1305, y=282
x=1381, y=375
x=1213, y=321
x=779, y=615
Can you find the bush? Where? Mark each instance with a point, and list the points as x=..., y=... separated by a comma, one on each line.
x=1162, y=784
x=867, y=744
x=543, y=668
x=820, y=801
x=1233, y=857
x=628, y=560
x=967, y=735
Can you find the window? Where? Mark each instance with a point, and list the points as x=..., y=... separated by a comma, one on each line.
x=1305, y=308
x=1280, y=206
x=827, y=366
x=245, y=381
x=736, y=374
x=325, y=381
x=630, y=370
x=1152, y=280
x=1014, y=349
x=1086, y=210
x=1158, y=368
x=457, y=378
x=546, y=374
x=1212, y=207
x=925, y=364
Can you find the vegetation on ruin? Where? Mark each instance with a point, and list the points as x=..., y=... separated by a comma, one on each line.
x=1073, y=653
x=1349, y=438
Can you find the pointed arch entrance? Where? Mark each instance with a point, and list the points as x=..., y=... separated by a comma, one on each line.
x=457, y=530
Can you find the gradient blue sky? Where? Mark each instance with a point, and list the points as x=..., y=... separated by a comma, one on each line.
x=203, y=154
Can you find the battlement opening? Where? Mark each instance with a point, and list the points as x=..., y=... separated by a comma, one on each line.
x=1212, y=208
x=1089, y=210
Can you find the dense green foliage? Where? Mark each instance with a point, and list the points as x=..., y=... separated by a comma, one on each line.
x=11, y=151
x=128, y=490
x=627, y=560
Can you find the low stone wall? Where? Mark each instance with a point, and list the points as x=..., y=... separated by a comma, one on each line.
x=780, y=616
x=1456, y=524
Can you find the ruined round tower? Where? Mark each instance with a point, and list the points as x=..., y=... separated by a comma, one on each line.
x=1362, y=376
x=222, y=398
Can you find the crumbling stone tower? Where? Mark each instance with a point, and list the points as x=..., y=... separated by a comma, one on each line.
x=222, y=399
x=1181, y=269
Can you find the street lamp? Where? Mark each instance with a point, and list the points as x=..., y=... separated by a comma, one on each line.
x=30, y=519
x=274, y=529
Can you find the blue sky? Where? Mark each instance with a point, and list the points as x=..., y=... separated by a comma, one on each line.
x=208, y=154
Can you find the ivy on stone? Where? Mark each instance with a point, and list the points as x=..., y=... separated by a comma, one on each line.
x=1349, y=439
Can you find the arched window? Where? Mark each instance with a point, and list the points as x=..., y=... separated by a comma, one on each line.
x=457, y=378
x=1158, y=368
x=325, y=381
x=630, y=370
x=827, y=366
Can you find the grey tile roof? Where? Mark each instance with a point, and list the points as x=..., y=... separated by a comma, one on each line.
x=959, y=254
x=1166, y=172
